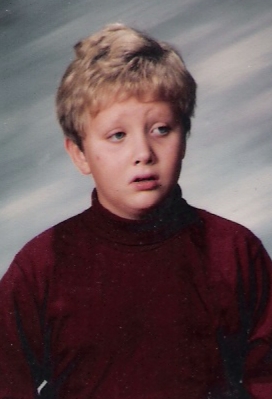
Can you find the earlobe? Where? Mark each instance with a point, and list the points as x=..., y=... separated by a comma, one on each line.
x=77, y=156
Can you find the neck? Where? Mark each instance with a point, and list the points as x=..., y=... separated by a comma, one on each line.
x=159, y=224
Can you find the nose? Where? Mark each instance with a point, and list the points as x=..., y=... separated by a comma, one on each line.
x=143, y=152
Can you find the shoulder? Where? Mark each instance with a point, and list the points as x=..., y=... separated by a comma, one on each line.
x=43, y=248
x=226, y=235
x=40, y=260
x=221, y=226
x=231, y=253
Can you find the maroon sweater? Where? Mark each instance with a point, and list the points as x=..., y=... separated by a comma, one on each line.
x=174, y=307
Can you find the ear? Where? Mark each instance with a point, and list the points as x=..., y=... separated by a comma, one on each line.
x=78, y=157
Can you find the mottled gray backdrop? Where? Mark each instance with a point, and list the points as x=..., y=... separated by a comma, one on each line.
x=227, y=46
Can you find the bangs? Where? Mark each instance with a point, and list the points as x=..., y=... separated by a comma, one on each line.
x=155, y=86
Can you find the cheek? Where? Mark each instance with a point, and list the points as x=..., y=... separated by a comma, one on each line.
x=175, y=156
x=175, y=151
x=180, y=149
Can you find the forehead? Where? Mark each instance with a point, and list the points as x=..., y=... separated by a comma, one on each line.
x=129, y=100
x=132, y=108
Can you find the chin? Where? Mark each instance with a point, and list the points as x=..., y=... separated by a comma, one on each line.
x=143, y=207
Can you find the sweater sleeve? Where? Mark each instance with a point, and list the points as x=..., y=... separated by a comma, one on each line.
x=258, y=370
x=245, y=335
x=23, y=344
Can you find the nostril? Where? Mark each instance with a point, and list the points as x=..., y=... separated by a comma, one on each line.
x=147, y=159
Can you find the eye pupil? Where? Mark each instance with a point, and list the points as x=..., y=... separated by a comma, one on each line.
x=162, y=130
x=118, y=136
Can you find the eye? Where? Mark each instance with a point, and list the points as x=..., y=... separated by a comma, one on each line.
x=118, y=136
x=161, y=130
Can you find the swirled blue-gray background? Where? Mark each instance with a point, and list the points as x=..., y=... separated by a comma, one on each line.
x=228, y=48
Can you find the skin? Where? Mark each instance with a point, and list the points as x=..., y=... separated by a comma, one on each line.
x=134, y=151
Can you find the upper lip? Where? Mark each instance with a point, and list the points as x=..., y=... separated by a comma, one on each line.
x=144, y=176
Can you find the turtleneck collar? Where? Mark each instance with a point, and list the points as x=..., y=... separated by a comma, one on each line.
x=161, y=224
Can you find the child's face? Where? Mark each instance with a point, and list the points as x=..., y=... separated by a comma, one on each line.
x=134, y=151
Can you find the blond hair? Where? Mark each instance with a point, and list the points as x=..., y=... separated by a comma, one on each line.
x=114, y=64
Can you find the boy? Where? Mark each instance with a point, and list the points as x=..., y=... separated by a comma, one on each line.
x=141, y=296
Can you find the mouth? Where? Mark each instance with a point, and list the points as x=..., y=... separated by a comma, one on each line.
x=144, y=178
x=141, y=179
x=146, y=182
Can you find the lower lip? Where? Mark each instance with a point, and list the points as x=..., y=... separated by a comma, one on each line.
x=146, y=185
